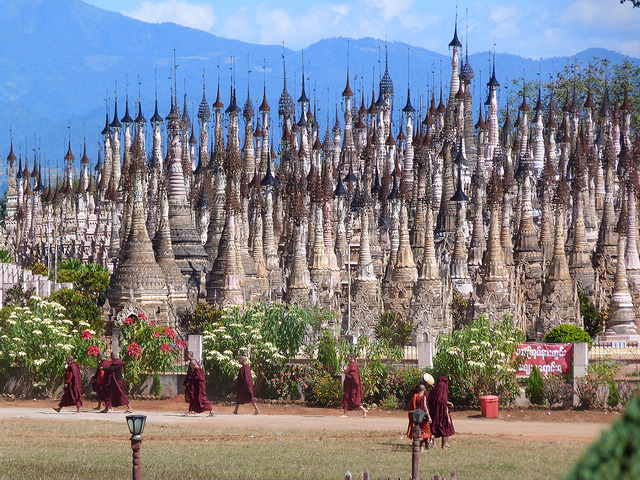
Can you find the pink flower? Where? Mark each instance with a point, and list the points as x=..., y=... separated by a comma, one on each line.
x=152, y=322
x=134, y=351
x=142, y=316
x=168, y=332
x=86, y=335
x=165, y=348
x=129, y=320
x=93, y=350
x=156, y=333
x=181, y=344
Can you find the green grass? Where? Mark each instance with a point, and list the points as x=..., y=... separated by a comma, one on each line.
x=100, y=450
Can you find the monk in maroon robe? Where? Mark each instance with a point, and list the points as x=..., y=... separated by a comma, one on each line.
x=115, y=395
x=439, y=404
x=352, y=388
x=244, y=386
x=72, y=386
x=419, y=401
x=195, y=392
x=99, y=380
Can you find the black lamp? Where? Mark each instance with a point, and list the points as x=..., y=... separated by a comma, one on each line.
x=136, y=425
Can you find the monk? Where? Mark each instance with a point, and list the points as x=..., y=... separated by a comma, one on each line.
x=418, y=401
x=352, y=388
x=72, y=386
x=99, y=380
x=244, y=385
x=441, y=425
x=195, y=392
x=115, y=395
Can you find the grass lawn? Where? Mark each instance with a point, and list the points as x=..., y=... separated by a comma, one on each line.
x=96, y=450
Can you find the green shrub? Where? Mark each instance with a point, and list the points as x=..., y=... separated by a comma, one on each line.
x=156, y=386
x=567, y=333
x=616, y=454
x=613, y=399
x=5, y=256
x=534, y=387
x=193, y=321
x=327, y=356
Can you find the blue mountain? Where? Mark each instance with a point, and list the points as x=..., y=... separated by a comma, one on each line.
x=62, y=58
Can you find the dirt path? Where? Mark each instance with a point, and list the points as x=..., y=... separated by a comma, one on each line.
x=556, y=426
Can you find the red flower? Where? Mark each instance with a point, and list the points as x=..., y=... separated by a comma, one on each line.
x=168, y=332
x=86, y=335
x=165, y=348
x=156, y=333
x=181, y=344
x=142, y=316
x=134, y=351
x=93, y=350
x=129, y=320
x=152, y=322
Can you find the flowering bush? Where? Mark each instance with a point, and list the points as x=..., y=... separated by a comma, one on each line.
x=147, y=348
x=626, y=391
x=36, y=339
x=555, y=389
x=480, y=360
x=587, y=390
x=268, y=334
x=327, y=390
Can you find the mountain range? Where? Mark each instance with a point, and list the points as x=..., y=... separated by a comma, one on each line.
x=62, y=58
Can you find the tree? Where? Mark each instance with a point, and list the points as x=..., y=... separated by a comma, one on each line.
x=534, y=387
x=635, y=3
x=596, y=75
x=394, y=328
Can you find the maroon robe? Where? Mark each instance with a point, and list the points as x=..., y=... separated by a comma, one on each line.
x=99, y=381
x=244, y=385
x=115, y=395
x=195, y=392
x=352, y=387
x=72, y=387
x=441, y=424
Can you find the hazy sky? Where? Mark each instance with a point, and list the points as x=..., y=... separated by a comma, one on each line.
x=530, y=28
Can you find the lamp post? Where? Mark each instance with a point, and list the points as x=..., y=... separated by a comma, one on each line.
x=136, y=427
x=416, y=432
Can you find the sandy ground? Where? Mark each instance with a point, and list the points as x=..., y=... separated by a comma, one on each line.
x=562, y=426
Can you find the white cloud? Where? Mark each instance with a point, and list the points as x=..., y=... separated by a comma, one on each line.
x=181, y=12
x=392, y=8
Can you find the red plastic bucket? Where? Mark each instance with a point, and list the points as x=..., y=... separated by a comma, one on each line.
x=489, y=406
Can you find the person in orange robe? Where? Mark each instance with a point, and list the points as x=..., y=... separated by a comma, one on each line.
x=419, y=401
x=352, y=388
x=72, y=386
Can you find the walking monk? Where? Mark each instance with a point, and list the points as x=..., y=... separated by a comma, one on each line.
x=72, y=387
x=99, y=380
x=352, y=388
x=439, y=404
x=244, y=385
x=115, y=395
x=195, y=392
x=419, y=401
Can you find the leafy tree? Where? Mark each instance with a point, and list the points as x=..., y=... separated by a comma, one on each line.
x=5, y=256
x=18, y=296
x=616, y=454
x=635, y=3
x=598, y=73
x=193, y=321
x=394, y=328
x=327, y=356
x=534, y=387
x=79, y=307
x=593, y=321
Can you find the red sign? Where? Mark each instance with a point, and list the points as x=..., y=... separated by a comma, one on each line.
x=549, y=357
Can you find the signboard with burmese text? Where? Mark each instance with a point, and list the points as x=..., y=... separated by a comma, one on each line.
x=549, y=357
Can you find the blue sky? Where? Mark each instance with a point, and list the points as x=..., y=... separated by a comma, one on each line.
x=530, y=28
